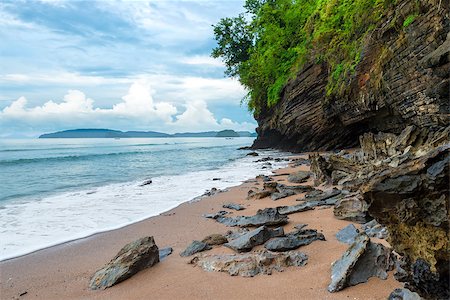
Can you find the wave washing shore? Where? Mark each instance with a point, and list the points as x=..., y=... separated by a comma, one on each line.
x=33, y=222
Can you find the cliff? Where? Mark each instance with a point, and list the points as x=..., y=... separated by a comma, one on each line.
x=401, y=79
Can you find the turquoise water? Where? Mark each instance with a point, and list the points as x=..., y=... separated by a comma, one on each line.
x=55, y=190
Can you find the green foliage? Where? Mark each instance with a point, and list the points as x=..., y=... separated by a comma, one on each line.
x=409, y=19
x=272, y=41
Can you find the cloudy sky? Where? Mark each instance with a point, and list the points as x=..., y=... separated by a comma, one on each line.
x=127, y=65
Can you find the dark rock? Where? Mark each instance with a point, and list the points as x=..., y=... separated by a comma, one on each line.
x=314, y=193
x=132, y=258
x=294, y=240
x=252, y=154
x=256, y=237
x=231, y=235
x=361, y=261
x=195, y=247
x=404, y=294
x=412, y=201
x=216, y=215
x=255, y=195
x=284, y=194
x=215, y=239
x=299, y=177
x=211, y=192
x=250, y=264
x=347, y=234
x=300, y=162
x=265, y=159
x=264, y=178
x=164, y=252
x=306, y=205
x=374, y=229
x=233, y=206
x=300, y=226
x=245, y=148
x=267, y=217
x=146, y=182
x=315, y=196
x=216, y=179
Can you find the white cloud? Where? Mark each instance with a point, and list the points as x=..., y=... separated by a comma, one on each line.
x=202, y=60
x=136, y=111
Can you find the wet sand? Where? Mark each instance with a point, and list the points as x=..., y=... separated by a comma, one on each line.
x=63, y=271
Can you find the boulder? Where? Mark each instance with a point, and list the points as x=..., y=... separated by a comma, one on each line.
x=215, y=239
x=374, y=229
x=195, y=247
x=233, y=206
x=255, y=195
x=348, y=234
x=352, y=208
x=294, y=240
x=404, y=294
x=252, y=154
x=256, y=237
x=360, y=261
x=319, y=196
x=132, y=258
x=412, y=201
x=250, y=264
x=277, y=196
x=146, y=182
x=267, y=217
x=299, y=177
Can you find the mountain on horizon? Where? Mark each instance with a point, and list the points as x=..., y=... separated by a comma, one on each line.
x=109, y=133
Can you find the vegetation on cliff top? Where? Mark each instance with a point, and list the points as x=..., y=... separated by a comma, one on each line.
x=269, y=43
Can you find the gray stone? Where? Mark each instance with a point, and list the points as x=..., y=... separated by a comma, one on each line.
x=299, y=177
x=132, y=258
x=250, y=264
x=347, y=234
x=164, y=252
x=215, y=239
x=233, y=206
x=284, y=194
x=267, y=216
x=307, y=205
x=342, y=268
x=216, y=215
x=361, y=261
x=374, y=229
x=404, y=294
x=316, y=196
x=294, y=240
x=352, y=208
x=195, y=247
x=146, y=182
x=256, y=237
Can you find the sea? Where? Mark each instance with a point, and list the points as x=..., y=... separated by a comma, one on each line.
x=57, y=190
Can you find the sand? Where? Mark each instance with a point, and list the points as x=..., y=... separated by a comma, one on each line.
x=63, y=271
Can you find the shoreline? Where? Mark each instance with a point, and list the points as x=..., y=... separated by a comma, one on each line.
x=139, y=214
x=64, y=270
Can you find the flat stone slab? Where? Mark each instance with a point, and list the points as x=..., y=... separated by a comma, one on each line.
x=132, y=258
x=233, y=206
x=215, y=239
x=294, y=240
x=216, y=215
x=256, y=237
x=362, y=260
x=306, y=205
x=299, y=177
x=348, y=234
x=267, y=217
x=195, y=247
x=250, y=264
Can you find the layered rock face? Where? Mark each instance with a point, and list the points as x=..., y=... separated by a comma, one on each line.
x=402, y=79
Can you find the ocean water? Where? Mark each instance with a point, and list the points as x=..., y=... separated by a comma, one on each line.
x=57, y=190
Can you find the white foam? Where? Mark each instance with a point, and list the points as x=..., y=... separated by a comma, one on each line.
x=27, y=226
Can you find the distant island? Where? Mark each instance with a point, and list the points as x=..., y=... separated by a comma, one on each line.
x=108, y=133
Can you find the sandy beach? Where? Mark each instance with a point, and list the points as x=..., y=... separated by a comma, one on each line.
x=64, y=271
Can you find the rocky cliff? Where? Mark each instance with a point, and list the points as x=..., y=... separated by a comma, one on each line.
x=402, y=79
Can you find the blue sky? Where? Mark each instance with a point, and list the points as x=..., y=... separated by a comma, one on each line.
x=128, y=65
